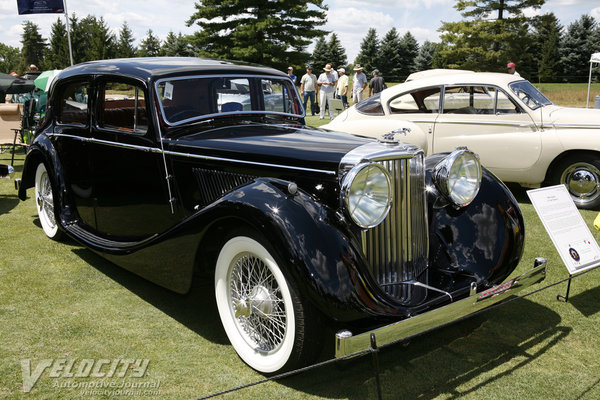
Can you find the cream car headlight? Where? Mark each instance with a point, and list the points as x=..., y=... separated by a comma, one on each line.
x=367, y=194
x=458, y=176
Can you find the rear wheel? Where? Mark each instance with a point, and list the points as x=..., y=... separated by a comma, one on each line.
x=44, y=200
x=581, y=176
x=264, y=318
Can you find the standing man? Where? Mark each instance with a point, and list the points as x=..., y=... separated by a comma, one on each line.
x=377, y=84
x=291, y=74
x=308, y=86
x=512, y=69
x=341, y=91
x=326, y=83
x=359, y=83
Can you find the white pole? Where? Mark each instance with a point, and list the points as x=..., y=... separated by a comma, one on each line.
x=587, y=101
x=69, y=33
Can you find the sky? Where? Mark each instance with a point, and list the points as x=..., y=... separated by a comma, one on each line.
x=349, y=19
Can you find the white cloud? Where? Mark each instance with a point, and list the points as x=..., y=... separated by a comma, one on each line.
x=596, y=14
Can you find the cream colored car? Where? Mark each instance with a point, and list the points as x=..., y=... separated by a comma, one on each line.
x=519, y=134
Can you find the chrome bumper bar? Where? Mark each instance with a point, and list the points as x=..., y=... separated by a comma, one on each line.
x=347, y=344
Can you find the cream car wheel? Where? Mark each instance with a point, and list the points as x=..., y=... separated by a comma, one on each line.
x=581, y=176
x=44, y=200
x=257, y=306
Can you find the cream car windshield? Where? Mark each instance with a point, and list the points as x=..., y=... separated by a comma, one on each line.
x=529, y=94
x=192, y=98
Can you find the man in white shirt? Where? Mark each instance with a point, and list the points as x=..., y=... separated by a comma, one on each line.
x=308, y=86
x=359, y=83
x=326, y=83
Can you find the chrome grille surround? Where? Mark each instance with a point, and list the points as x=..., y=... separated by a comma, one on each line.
x=397, y=249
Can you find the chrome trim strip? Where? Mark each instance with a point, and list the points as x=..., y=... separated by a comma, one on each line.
x=575, y=126
x=347, y=344
x=189, y=155
x=471, y=122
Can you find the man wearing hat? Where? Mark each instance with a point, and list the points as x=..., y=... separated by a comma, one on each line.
x=327, y=83
x=511, y=69
x=359, y=83
x=341, y=91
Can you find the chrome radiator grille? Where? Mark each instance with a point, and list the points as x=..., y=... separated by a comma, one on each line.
x=397, y=249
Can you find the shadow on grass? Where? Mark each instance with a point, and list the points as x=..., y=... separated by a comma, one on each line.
x=453, y=361
x=8, y=202
x=196, y=310
x=449, y=361
x=519, y=192
x=587, y=302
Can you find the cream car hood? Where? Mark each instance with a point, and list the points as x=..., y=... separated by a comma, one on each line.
x=566, y=116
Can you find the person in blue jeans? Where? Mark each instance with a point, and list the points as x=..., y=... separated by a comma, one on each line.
x=308, y=88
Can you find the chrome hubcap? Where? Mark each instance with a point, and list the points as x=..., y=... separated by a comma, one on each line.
x=45, y=201
x=257, y=303
x=582, y=181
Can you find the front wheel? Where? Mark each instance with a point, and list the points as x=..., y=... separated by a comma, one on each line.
x=581, y=176
x=44, y=200
x=264, y=319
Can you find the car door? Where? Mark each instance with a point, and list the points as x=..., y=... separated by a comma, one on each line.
x=485, y=119
x=132, y=200
x=70, y=137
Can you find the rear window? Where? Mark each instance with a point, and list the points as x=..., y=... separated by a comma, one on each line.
x=124, y=108
x=371, y=106
x=74, y=104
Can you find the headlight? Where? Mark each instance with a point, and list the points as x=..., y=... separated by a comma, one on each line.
x=458, y=176
x=367, y=194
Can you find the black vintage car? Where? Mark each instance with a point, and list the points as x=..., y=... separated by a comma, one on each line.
x=172, y=166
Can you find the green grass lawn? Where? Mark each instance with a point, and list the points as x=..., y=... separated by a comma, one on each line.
x=59, y=300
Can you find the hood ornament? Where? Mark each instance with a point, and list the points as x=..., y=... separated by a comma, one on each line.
x=390, y=137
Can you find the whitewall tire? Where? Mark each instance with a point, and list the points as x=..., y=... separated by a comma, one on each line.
x=44, y=200
x=263, y=318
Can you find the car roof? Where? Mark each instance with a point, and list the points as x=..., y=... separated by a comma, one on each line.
x=153, y=68
x=463, y=78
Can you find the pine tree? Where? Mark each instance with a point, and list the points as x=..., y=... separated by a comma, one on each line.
x=273, y=33
x=337, y=53
x=57, y=56
x=578, y=44
x=320, y=55
x=150, y=45
x=33, y=46
x=125, y=46
x=177, y=46
x=490, y=35
x=424, y=59
x=368, y=56
x=390, y=59
x=547, y=34
x=409, y=51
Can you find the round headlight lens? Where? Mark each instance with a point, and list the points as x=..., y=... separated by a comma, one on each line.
x=458, y=176
x=367, y=194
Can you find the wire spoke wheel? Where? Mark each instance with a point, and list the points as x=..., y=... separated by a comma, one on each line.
x=261, y=313
x=44, y=199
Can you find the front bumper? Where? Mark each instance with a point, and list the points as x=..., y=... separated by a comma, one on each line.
x=347, y=344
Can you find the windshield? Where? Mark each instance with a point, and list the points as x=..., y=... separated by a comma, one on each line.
x=190, y=98
x=529, y=94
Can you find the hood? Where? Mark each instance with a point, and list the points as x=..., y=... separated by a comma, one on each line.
x=272, y=145
x=573, y=116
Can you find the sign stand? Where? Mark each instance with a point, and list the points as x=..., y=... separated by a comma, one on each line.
x=570, y=235
x=566, y=297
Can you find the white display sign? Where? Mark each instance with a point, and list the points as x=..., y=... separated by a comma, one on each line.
x=567, y=229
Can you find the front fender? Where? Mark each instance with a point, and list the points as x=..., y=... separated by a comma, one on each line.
x=482, y=241
x=315, y=242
